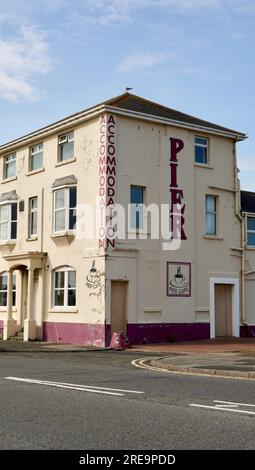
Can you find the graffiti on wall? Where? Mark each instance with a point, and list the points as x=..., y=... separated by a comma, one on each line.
x=93, y=278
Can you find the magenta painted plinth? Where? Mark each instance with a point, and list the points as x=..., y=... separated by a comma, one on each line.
x=75, y=333
x=119, y=341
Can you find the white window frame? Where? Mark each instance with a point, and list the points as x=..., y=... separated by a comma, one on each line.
x=206, y=146
x=66, y=270
x=215, y=214
x=9, y=221
x=4, y=273
x=64, y=139
x=30, y=212
x=12, y=158
x=66, y=208
x=140, y=208
x=250, y=231
x=33, y=153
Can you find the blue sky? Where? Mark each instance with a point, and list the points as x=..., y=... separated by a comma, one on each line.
x=60, y=56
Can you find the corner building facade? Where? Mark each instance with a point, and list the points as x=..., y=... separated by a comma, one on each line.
x=59, y=287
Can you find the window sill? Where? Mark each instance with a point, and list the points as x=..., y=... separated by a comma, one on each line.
x=152, y=310
x=64, y=162
x=212, y=237
x=34, y=172
x=8, y=180
x=31, y=239
x=64, y=233
x=63, y=310
x=250, y=247
x=204, y=165
x=138, y=232
x=8, y=242
x=4, y=309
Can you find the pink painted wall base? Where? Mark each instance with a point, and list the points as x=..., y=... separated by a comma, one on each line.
x=100, y=335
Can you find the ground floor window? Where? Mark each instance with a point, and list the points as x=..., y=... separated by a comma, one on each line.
x=64, y=287
x=4, y=288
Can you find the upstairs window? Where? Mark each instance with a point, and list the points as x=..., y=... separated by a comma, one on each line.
x=4, y=289
x=211, y=215
x=66, y=146
x=8, y=221
x=251, y=231
x=32, y=216
x=64, y=287
x=136, y=206
x=201, y=150
x=36, y=157
x=64, y=209
x=10, y=166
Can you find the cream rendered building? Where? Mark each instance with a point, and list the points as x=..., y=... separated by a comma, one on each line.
x=56, y=286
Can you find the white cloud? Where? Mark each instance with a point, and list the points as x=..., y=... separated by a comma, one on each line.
x=246, y=165
x=140, y=61
x=23, y=57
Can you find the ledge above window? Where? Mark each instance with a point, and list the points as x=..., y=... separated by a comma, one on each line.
x=8, y=180
x=64, y=162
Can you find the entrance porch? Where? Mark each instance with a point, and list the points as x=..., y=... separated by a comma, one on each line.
x=30, y=273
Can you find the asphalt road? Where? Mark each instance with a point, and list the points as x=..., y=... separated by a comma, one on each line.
x=39, y=416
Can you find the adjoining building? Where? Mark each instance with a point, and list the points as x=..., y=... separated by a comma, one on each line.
x=57, y=283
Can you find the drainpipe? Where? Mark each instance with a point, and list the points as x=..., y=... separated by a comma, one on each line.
x=42, y=214
x=243, y=241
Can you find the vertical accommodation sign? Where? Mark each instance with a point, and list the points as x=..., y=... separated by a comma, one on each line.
x=107, y=181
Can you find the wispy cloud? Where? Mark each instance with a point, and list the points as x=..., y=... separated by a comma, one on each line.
x=104, y=13
x=23, y=57
x=108, y=12
x=138, y=62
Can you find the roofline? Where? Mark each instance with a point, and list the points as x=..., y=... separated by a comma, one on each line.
x=57, y=126
x=245, y=191
x=151, y=117
x=90, y=113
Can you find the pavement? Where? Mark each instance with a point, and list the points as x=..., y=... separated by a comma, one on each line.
x=228, y=357
x=43, y=347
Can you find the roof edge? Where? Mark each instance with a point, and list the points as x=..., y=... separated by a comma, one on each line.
x=93, y=111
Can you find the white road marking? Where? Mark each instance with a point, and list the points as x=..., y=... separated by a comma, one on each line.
x=52, y=384
x=220, y=408
x=226, y=406
x=84, y=388
x=140, y=364
x=233, y=403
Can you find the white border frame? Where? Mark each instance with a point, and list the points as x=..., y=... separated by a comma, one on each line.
x=235, y=304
